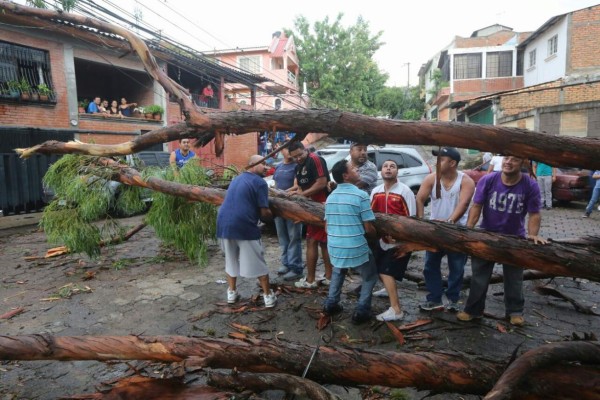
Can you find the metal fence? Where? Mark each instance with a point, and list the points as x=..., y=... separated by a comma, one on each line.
x=21, y=180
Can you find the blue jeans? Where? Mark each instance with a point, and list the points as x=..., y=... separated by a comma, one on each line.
x=480, y=280
x=593, y=200
x=368, y=273
x=433, y=275
x=290, y=243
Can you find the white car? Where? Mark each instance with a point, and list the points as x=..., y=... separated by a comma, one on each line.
x=412, y=168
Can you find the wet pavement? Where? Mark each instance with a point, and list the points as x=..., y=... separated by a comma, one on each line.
x=142, y=287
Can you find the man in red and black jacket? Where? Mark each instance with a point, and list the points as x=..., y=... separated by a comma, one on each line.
x=311, y=181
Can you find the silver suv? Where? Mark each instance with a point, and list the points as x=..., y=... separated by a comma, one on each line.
x=412, y=168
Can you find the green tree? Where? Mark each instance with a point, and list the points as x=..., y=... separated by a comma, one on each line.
x=337, y=63
x=400, y=103
x=66, y=5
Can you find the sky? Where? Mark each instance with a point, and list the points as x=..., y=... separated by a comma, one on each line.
x=413, y=31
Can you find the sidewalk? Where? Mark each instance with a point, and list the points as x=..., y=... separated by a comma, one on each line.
x=20, y=220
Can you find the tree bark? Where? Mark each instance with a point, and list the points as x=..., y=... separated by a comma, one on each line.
x=557, y=150
x=551, y=354
x=260, y=382
x=144, y=388
x=435, y=371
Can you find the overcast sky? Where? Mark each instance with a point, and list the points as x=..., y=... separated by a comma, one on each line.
x=414, y=31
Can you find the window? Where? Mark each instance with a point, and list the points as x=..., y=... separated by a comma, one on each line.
x=277, y=104
x=250, y=64
x=467, y=66
x=552, y=45
x=532, y=57
x=383, y=156
x=498, y=64
x=24, y=64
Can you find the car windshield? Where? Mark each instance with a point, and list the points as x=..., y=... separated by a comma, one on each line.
x=331, y=156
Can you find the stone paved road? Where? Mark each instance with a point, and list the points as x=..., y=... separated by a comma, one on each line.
x=142, y=288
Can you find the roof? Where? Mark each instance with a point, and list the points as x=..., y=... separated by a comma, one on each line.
x=547, y=25
x=280, y=49
x=498, y=27
x=207, y=65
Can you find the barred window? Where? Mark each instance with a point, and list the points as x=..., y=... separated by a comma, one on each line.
x=552, y=45
x=532, y=58
x=467, y=66
x=498, y=64
x=250, y=64
x=20, y=63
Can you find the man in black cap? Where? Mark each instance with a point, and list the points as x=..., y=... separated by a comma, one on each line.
x=449, y=204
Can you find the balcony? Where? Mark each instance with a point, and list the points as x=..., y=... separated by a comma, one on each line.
x=441, y=96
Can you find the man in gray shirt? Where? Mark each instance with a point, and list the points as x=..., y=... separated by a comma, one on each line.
x=367, y=171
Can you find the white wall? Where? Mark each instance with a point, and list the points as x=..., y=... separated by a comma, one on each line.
x=547, y=68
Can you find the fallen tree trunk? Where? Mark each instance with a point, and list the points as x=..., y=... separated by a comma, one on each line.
x=144, y=388
x=435, y=371
x=551, y=354
x=557, y=150
x=290, y=384
x=552, y=258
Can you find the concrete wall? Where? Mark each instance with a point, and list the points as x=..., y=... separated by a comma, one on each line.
x=547, y=68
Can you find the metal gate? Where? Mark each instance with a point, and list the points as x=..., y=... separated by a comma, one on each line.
x=21, y=180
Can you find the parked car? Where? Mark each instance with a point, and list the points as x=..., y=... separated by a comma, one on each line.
x=412, y=168
x=571, y=184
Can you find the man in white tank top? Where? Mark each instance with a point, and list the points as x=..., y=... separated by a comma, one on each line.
x=456, y=190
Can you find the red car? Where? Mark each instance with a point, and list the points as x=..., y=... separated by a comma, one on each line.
x=571, y=184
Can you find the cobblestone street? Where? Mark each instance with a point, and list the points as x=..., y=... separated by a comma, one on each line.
x=140, y=287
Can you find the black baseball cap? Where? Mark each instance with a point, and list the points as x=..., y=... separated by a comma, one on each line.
x=447, y=152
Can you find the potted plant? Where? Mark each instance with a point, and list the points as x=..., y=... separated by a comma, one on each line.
x=44, y=91
x=147, y=111
x=13, y=88
x=25, y=88
x=82, y=106
x=157, y=112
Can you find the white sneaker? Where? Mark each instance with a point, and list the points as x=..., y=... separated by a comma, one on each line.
x=306, y=285
x=381, y=293
x=390, y=315
x=232, y=296
x=270, y=299
x=324, y=281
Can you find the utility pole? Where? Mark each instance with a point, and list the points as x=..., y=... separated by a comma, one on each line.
x=407, y=75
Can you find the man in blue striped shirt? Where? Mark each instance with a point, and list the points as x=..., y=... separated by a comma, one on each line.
x=348, y=218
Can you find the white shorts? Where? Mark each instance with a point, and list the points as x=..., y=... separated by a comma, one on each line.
x=244, y=258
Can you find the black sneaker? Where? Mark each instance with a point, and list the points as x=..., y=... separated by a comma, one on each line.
x=360, y=317
x=333, y=309
x=431, y=306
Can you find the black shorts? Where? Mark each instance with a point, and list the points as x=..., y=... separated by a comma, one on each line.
x=389, y=264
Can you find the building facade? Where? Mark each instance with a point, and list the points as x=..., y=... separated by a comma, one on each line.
x=484, y=63
x=48, y=69
x=561, y=65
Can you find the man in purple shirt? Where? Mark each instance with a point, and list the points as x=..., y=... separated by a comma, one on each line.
x=503, y=200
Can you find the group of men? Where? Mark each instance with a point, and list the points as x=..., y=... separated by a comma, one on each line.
x=349, y=240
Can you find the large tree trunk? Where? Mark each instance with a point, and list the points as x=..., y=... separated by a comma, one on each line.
x=556, y=150
x=507, y=386
x=553, y=258
x=435, y=371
